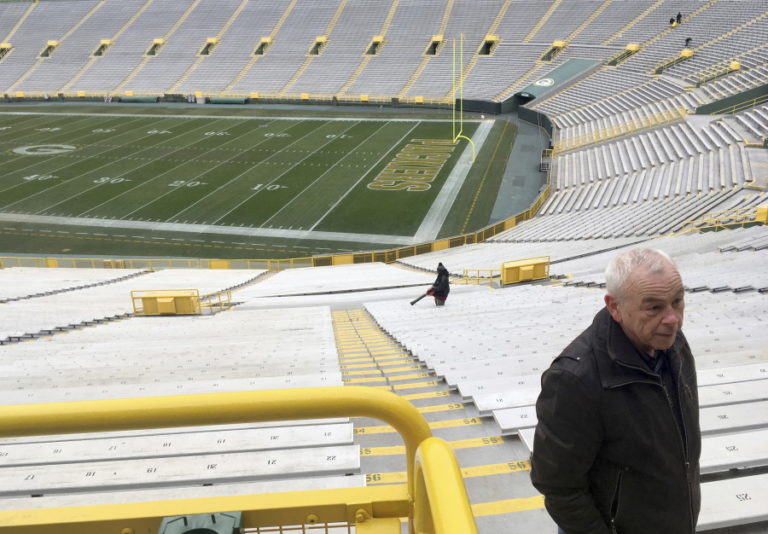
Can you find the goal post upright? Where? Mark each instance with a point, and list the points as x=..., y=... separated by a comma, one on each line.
x=458, y=81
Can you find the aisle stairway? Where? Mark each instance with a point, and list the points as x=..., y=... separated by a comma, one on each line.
x=492, y=465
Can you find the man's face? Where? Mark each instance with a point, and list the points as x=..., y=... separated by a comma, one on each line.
x=651, y=309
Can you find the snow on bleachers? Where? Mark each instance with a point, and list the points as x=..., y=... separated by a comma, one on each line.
x=341, y=278
x=48, y=313
x=238, y=350
x=19, y=282
x=495, y=251
x=160, y=356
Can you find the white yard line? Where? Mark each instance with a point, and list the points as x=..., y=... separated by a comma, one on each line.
x=332, y=167
x=433, y=221
x=366, y=173
x=37, y=162
x=207, y=229
x=296, y=164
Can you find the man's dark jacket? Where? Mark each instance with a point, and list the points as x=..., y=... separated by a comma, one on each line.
x=441, y=286
x=609, y=455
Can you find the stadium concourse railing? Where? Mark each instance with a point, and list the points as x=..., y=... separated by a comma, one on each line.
x=433, y=501
x=384, y=256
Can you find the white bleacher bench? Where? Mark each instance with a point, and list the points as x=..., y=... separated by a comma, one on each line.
x=709, y=396
x=721, y=394
x=180, y=444
x=733, y=417
x=185, y=470
x=734, y=501
x=184, y=492
x=714, y=420
x=510, y=420
x=734, y=451
x=151, y=389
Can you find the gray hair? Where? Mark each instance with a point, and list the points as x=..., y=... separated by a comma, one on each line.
x=620, y=267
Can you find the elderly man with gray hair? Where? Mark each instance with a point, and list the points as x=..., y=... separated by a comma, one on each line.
x=617, y=444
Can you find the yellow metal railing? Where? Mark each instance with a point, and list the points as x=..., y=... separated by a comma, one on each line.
x=726, y=219
x=478, y=276
x=741, y=106
x=633, y=126
x=178, y=301
x=216, y=302
x=434, y=498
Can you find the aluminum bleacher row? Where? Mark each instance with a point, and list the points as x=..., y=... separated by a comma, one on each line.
x=498, y=369
x=592, y=29
x=278, y=336
x=40, y=314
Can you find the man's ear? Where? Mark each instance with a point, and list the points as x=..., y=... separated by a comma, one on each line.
x=612, y=303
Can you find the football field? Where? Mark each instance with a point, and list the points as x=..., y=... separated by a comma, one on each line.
x=361, y=180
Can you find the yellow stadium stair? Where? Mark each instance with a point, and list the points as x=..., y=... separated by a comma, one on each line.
x=425, y=61
x=364, y=63
x=93, y=59
x=634, y=21
x=308, y=61
x=167, y=35
x=40, y=60
x=370, y=357
x=542, y=21
x=491, y=31
x=255, y=58
x=200, y=59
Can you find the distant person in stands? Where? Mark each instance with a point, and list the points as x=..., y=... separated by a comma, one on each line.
x=679, y=18
x=688, y=41
x=617, y=444
x=672, y=21
x=441, y=286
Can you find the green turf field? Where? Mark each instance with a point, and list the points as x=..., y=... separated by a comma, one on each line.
x=296, y=180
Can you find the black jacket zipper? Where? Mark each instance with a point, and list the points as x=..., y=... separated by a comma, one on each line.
x=680, y=432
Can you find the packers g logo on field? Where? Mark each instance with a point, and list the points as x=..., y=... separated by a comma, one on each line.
x=43, y=150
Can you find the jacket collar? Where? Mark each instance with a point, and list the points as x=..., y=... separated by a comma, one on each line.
x=618, y=359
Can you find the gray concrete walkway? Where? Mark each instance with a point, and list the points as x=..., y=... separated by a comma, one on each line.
x=522, y=180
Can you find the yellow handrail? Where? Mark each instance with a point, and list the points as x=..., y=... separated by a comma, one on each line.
x=436, y=498
x=443, y=489
x=218, y=408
